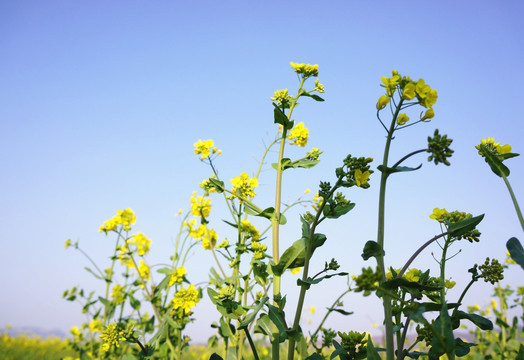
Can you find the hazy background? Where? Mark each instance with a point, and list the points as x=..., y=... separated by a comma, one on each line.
x=101, y=102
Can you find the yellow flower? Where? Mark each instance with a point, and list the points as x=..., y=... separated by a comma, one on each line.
x=503, y=149
x=244, y=186
x=306, y=70
x=429, y=114
x=391, y=83
x=438, y=214
x=142, y=243
x=382, y=102
x=112, y=336
x=281, y=96
x=203, y=148
x=95, y=326
x=408, y=92
x=493, y=304
x=75, y=331
x=210, y=239
x=450, y=284
x=118, y=294
x=296, y=270
x=389, y=274
x=318, y=86
x=413, y=275
x=402, y=119
x=177, y=276
x=249, y=230
x=361, y=178
x=312, y=309
x=200, y=206
x=144, y=271
x=124, y=217
x=67, y=243
x=223, y=244
x=299, y=135
x=186, y=299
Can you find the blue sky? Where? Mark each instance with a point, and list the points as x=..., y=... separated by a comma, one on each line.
x=101, y=103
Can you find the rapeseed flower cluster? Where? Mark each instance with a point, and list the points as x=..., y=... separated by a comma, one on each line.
x=494, y=147
x=205, y=148
x=113, y=335
x=185, y=300
x=177, y=276
x=299, y=135
x=282, y=97
x=124, y=217
x=306, y=70
x=445, y=217
x=141, y=242
x=118, y=294
x=409, y=90
x=243, y=186
x=200, y=205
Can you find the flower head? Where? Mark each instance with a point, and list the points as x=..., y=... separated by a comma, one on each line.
x=382, y=102
x=124, y=217
x=402, y=119
x=244, y=186
x=177, y=276
x=205, y=148
x=281, y=97
x=185, y=300
x=306, y=70
x=299, y=135
x=200, y=206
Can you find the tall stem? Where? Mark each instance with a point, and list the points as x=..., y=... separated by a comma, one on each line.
x=390, y=352
x=515, y=203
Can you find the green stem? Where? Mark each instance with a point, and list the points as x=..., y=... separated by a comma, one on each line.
x=390, y=352
x=515, y=203
x=251, y=344
x=275, y=223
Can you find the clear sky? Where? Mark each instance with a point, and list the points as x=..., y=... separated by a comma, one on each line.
x=101, y=102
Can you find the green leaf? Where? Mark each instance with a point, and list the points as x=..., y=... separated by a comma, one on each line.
x=281, y=118
x=276, y=317
x=215, y=356
x=302, y=163
x=341, y=311
x=307, y=283
x=443, y=341
x=294, y=256
x=313, y=96
x=372, y=353
x=267, y=213
x=482, y=322
x=396, y=283
x=251, y=316
x=372, y=249
x=461, y=227
x=388, y=170
x=93, y=273
x=338, y=210
x=314, y=356
x=494, y=162
x=516, y=251
x=462, y=348
x=217, y=184
x=135, y=303
x=263, y=325
x=339, y=351
x=520, y=355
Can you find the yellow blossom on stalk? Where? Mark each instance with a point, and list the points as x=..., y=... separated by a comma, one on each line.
x=361, y=178
x=223, y=244
x=306, y=70
x=185, y=299
x=421, y=88
x=95, y=326
x=408, y=92
x=204, y=148
x=206, y=185
x=226, y=292
x=210, y=239
x=312, y=309
x=144, y=271
x=200, y=206
x=299, y=135
x=389, y=274
x=450, y=284
x=142, y=243
x=281, y=96
x=402, y=119
x=509, y=260
x=412, y=275
x=244, y=185
x=249, y=230
x=118, y=294
x=195, y=232
x=112, y=336
x=493, y=304
x=67, y=243
x=75, y=331
x=318, y=86
x=438, y=214
x=258, y=249
x=382, y=102
x=391, y=83
x=177, y=276
x=429, y=114
x=504, y=149
x=124, y=217
x=317, y=201
x=296, y=270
